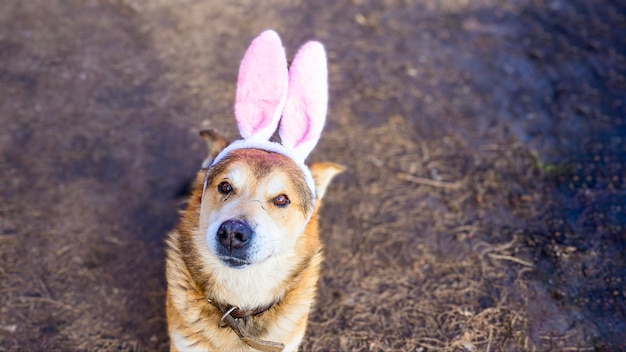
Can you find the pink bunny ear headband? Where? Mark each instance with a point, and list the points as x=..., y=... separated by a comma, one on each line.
x=266, y=90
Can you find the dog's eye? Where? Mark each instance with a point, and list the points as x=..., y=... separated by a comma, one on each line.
x=281, y=200
x=224, y=188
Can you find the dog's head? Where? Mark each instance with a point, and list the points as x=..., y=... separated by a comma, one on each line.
x=258, y=195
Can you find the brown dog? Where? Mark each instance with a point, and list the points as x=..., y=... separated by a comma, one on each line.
x=243, y=262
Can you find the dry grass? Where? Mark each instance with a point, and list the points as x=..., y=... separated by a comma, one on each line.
x=439, y=237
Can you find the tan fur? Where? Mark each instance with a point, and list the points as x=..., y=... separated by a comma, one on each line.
x=194, y=274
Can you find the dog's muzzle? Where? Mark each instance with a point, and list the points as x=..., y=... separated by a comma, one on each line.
x=234, y=238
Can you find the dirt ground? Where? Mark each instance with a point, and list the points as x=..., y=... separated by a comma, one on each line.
x=485, y=141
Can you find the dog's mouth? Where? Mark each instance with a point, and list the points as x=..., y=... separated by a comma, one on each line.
x=234, y=262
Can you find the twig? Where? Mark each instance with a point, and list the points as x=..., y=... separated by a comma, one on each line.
x=508, y=257
x=9, y=328
x=427, y=181
x=46, y=300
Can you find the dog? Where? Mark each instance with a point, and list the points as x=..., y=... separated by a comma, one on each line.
x=243, y=262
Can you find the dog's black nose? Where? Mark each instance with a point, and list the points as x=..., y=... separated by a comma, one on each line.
x=234, y=234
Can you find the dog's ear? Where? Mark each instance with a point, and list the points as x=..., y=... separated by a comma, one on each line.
x=216, y=143
x=261, y=87
x=323, y=173
x=305, y=110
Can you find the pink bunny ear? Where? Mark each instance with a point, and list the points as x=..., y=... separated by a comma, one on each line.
x=261, y=87
x=305, y=110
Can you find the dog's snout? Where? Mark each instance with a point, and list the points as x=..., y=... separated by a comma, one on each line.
x=234, y=234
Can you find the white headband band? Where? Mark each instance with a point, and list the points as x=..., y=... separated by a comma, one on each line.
x=253, y=143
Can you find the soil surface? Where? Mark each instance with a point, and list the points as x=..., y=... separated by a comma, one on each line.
x=483, y=207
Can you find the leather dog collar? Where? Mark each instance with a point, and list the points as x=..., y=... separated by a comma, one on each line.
x=234, y=318
x=238, y=313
